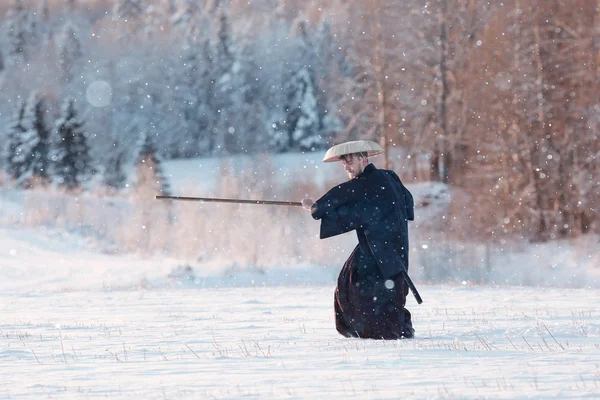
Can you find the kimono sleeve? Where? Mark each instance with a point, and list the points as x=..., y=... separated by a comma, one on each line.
x=342, y=209
x=368, y=211
x=338, y=196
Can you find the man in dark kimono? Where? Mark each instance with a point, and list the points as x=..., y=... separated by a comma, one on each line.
x=371, y=294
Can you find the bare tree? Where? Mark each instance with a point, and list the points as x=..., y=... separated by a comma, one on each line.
x=534, y=161
x=377, y=72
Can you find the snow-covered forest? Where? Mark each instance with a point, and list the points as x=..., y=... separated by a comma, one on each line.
x=496, y=101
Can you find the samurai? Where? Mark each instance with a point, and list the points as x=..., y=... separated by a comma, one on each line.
x=370, y=295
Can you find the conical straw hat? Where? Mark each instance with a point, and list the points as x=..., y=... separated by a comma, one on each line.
x=357, y=146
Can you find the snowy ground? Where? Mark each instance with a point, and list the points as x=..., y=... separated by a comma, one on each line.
x=259, y=343
x=76, y=324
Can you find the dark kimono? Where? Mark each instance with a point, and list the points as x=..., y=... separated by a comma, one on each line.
x=370, y=294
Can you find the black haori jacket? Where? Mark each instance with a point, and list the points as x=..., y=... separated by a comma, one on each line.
x=378, y=206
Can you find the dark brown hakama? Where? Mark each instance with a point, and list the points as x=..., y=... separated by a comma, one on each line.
x=367, y=307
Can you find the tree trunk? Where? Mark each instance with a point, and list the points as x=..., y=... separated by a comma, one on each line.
x=441, y=158
x=381, y=89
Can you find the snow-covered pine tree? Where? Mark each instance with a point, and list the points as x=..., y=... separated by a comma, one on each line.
x=248, y=108
x=114, y=177
x=207, y=108
x=36, y=28
x=32, y=153
x=223, y=45
x=223, y=62
x=45, y=30
x=17, y=32
x=303, y=113
x=330, y=63
x=191, y=138
x=188, y=93
x=303, y=120
x=128, y=9
x=13, y=161
x=128, y=15
x=150, y=175
x=71, y=156
x=70, y=50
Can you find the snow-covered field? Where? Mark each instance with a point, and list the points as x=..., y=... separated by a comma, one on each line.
x=69, y=330
x=279, y=342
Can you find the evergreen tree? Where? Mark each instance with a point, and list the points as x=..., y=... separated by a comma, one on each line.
x=224, y=46
x=331, y=63
x=247, y=101
x=35, y=28
x=45, y=24
x=208, y=109
x=303, y=115
x=190, y=138
x=70, y=50
x=150, y=175
x=114, y=177
x=128, y=9
x=71, y=158
x=302, y=124
x=17, y=31
x=189, y=96
x=127, y=14
x=16, y=130
x=223, y=62
x=37, y=114
x=32, y=151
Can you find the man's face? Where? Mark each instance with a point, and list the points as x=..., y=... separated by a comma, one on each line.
x=353, y=164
